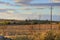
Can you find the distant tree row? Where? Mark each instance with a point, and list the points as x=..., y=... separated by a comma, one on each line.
x=26, y=22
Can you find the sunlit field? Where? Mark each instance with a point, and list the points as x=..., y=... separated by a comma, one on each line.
x=30, y=32
x=29, y=19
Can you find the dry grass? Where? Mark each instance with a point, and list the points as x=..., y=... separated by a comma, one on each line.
x=31, y=30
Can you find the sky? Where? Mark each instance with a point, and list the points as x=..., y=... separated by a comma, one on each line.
x=27, y=9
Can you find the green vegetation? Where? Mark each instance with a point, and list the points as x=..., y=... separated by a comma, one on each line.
x=26, y=22
x=4, y=23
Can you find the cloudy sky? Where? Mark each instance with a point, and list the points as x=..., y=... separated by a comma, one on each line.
x=27, y=9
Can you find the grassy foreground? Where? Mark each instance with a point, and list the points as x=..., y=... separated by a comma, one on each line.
x=50, y=35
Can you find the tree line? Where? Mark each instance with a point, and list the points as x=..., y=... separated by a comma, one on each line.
x=26, y=22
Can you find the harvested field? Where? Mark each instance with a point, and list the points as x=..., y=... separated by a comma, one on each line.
x=26, y=29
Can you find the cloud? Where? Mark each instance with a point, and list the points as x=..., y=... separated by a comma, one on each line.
x=5, y=15
x=17, y=3
x=56, y=1
x=5, y=3
x=22, y=2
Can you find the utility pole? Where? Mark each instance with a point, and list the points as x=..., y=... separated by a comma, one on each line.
x=51, y=18
x=39, y=21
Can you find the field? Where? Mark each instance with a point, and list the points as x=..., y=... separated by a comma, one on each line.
x=29, y=29
x=16, y=30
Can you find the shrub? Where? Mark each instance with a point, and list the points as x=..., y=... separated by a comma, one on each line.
x=50, y=36
x=57, y=36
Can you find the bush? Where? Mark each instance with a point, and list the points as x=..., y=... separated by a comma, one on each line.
x=57, y=36
x=50, y=36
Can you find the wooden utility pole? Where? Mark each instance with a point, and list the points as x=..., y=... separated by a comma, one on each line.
x=39, y=21
x=51, y=18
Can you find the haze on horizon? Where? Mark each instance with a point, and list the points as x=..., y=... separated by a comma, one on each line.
x=22, y=9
